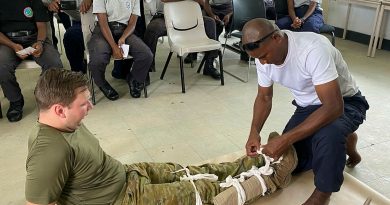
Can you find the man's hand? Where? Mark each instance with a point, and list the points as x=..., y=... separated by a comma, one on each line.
x=297, y=23
x=121, y=41
x=18, y=47
x=252, y=145
x=117, y=53
x=85, y=5
x=276, y=147
x=226, y=19
x=38, y=49
x=54, y=6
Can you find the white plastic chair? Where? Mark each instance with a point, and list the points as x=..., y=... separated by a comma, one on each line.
x=87, y=26
x=186, y=34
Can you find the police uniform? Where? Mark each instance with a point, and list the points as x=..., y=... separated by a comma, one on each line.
x=118, y=14
x=18, y=23
x=221, y=8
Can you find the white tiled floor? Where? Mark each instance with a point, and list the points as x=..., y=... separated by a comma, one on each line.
x=208, y=121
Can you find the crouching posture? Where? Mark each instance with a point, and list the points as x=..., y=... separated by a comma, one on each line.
x=66, y=164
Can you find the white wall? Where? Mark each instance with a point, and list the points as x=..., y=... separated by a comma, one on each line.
x=360, y=20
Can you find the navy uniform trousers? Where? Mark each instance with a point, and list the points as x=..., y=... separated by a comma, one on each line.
x=324, y=151
x=313, y=23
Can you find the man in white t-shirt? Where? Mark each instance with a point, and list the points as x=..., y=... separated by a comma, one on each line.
x=329, y=105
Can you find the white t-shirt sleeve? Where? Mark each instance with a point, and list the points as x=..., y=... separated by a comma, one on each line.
x=99, y=6
x=136, y=8
x=263, y=79
x=321, y=66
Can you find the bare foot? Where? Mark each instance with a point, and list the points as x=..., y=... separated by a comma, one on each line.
x=354, y=157
x=318, y=198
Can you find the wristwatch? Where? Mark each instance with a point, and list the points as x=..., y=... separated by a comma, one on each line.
x=41, y=41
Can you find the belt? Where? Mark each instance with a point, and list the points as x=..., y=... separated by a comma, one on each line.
x=20, y=33
x=116, y=24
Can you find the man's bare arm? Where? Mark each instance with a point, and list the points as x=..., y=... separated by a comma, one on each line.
x=291, y=9
x=130, y=27
x=310, y=10
x=261, y=110
x=4, y=40
x=332, y=108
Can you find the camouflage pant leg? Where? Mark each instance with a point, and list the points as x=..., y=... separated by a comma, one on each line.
x=154, y=183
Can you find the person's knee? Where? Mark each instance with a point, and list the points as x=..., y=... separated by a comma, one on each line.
x=330, y=139
x=73, y=35
x=6, y=72
x=313, y=24
x=99, y=52
x=155, y=29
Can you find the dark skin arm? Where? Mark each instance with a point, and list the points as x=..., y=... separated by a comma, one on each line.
x=4, y=40
x=310, y=10
x=297, y=22
x=103, y=23
x=291, y=13
x=332, y=108
x=129, y=29
x=41, y=26
x=261, y=110
x=209, y=11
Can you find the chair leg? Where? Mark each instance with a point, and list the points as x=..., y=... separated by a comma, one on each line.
x=59, y=36
x=145, y=91
x=183, y=86
x=166, y=65
x=221, y=67
x=201, y=64
x=92, y=86
x=224, y=46
x=1, y=112
x=333, y=39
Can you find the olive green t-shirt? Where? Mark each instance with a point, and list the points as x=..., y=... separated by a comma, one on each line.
x=70, y=168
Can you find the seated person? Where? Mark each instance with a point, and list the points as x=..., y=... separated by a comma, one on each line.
x=73, y=37
x=22, y=24
x=116, y=24
x=221, y=11
x=66, y=164
x=156, y=28
x=304, y=15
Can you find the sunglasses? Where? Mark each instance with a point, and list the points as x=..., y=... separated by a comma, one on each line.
x=254, y=45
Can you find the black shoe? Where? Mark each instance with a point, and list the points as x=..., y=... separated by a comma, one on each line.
x=109, y=92
x=135, y=88
x=191, y=57
x=15, y=111
x=210, y=70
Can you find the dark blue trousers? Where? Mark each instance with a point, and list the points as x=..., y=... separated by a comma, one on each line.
x=313, y=23
x=74, y=47
x=324, y=151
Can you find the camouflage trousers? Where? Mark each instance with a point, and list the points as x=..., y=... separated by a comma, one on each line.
x=158, y=184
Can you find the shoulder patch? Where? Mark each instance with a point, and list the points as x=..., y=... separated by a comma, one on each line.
x=28, y=12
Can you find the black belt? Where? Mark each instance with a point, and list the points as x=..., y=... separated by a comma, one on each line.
x=20, y=33
x=116, y=24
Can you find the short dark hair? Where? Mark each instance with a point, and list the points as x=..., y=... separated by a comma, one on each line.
x=57, y=86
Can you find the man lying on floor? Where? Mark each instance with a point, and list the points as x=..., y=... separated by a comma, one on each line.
x=66, y=165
